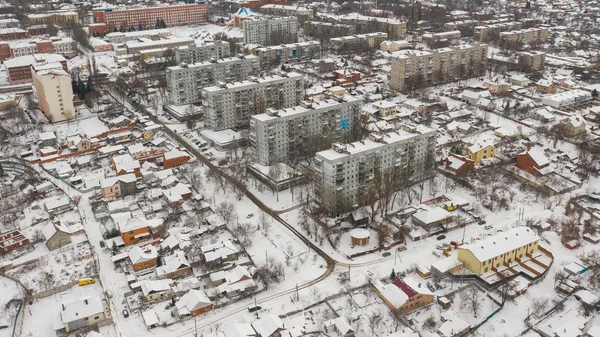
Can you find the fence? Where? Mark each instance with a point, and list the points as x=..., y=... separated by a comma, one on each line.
x=18, y=327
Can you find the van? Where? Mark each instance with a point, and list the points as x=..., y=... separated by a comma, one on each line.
x=86, y=281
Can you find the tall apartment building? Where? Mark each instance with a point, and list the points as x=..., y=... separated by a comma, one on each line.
x=395, y=28
x=286, y=52
x=346, y=172
x=418, y=68
x=199, y=53
x=293, y=134
x=491, y=32
x=231, y=105
x=271, y=31
x=356, y=43
x=174, y=15
x=185, y=82
x=524, y=36
x=531, y=60
x=19, y=68
x=52, y=88
x=319, y=28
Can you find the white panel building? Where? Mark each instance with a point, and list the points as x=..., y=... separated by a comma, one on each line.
x=271, y=31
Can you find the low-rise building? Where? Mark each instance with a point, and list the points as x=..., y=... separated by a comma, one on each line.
x=142, y=258
x=118, y=186
x=56, y=236
x=134, y=230
x=568, y=99
x=156, y=290
x=175, y=158
x=12, y=240
x=88, y=312
x=479, y=151
x=404, y=295
x=174, y=266
x=534, y=161
x=193, y=303
x=288, y=52
x=357, y=43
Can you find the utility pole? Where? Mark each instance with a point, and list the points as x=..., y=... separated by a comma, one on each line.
x=266, y=259
x=195, y=326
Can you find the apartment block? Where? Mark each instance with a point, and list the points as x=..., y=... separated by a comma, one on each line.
x=56, y=45
x=287, y=52
x=282, y=10
x=293, y=134
x=52, y=88
x=395, y=28
x=134, y=47
x=271, y=31
x=19, y=68
x=200, y=53
x=419, y=68
x=151, y=34
x=318, y=28
x=56, y=18
x=433, y=39
x=12, y=34
x=356, y=43
x=531, y=60
x=346, y=172
x=491, y=32
x=174, y=15
x=524, y=36
x=185, y=82
x=231, y=105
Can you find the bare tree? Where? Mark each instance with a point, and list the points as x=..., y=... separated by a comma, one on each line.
x=471, y=300
x=275, y=173
x=242, y=232
x=265, y=221
x=226, y=210
x=507, y=291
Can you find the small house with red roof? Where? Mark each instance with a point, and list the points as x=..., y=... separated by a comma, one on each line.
x=404, y=295
x=459, y=164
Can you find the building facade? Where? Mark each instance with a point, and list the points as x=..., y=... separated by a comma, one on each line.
x=490, y=32
x=287, y=52
x=531, y=60
x=294, y=134
x=346, y=172
x=271, y=31
x=524, y=36
x=282, y=10
x=53, y=90
x=12, y=34
x=418, y=68
x=356, y=43
x=19, y=68
x=204, y=52
x=231, y=105
x=174, y=15
x=56, y=18
x=185, y=82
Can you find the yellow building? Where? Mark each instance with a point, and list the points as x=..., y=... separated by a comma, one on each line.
x=498, y=250
x=57, y=18
x=53, y=90
x=477, y=152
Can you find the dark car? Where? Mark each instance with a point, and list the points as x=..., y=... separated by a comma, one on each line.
x=386, y=254
x=125, y=313
x=441, y=237
x=482, y=222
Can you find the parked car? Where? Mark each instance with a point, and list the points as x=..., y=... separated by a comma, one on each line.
x=488, y=227
x=402, y=248
x=125, y=313
x=441, y=237
x=386, y=254
x=482, y=222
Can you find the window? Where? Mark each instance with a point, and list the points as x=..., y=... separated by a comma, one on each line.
x=97, y=317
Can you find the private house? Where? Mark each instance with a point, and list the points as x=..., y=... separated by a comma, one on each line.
x=125, y=164
x=56, y=236
x=118, y=186
x=495, y=251
x=57, y=205
x=232, y=276
x=12, y=240
x=177, y=194
x=477, y=152
x=435, y=216
x=404, y=295
x=458, y=164
x=269, y=326
x=520, y=80
x=174, y=158
x=385, y=108
x=155, y=290
x=174, y=266
x=81, y=144
x=193, y=303
x=339, y=327
x=217, y=253
x=135, y=230
x=498, y=86
x=534, y=161
x=175, y=242
x=142, y=258
x=546, y=86
x=47, y=139
x=87, y=312
x=573, y=126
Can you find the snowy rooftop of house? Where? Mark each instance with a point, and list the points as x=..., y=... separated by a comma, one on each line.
x=47, y=135
x=172, y=263
x=146, y=44
x=79, y=309
x=538, y=156
x=501, y=243
x=137, y=254
x=192, y=300
x=391, y=292
x=479, y=146
x=446, y=264
x=154, y=286
x=267, y=325
x=433, y=215
x=452, y=325
x=26, y=60
x=175, y=153
x=56, y=202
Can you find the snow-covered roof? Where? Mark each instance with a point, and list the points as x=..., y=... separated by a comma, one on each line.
x=452, y=325
x=501, y=243
x=192, y=300
x=172, y=263
x=57, y=202
x=391, y=293
x=175, y=153
x=137, y=254
x=155, y=286
x=538, y=156
x=433, y=215
x=79, y=309
x=126, y=178
x=479, y=146
x=267, y=325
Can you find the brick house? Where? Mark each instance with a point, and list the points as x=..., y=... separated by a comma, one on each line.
x=12, y=240
x=193, y=303
x=459, y=164
x=118, y=186
x=175, y=158
x=142, y=258
x=534, y=161
x=404, y=295
x=135, y=230
x=174, y=266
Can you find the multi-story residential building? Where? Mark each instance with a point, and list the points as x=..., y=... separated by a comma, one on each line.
x=524, y=36
x=395, y=28
x=286, y=52
x=494, y=252
x=491, y=32
x=271, y=31
x=139, y=46
x=231, y=105
x=152, y=34
x=19, y=68
x=356, y=43
x=418, y=68
x=185, y=82
x=37, y=30
x=56, y=45
x=433, y=39
x=173, y=15
x=531, y=60
x=204, y=52
x=53, y=90
x=293, y=134
x=56, y=18
x=319, y=28
x=466, y=27
x=347, y=172
x=90, y=312
x=282, y=10
x=9, y=23
x=12, y=34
